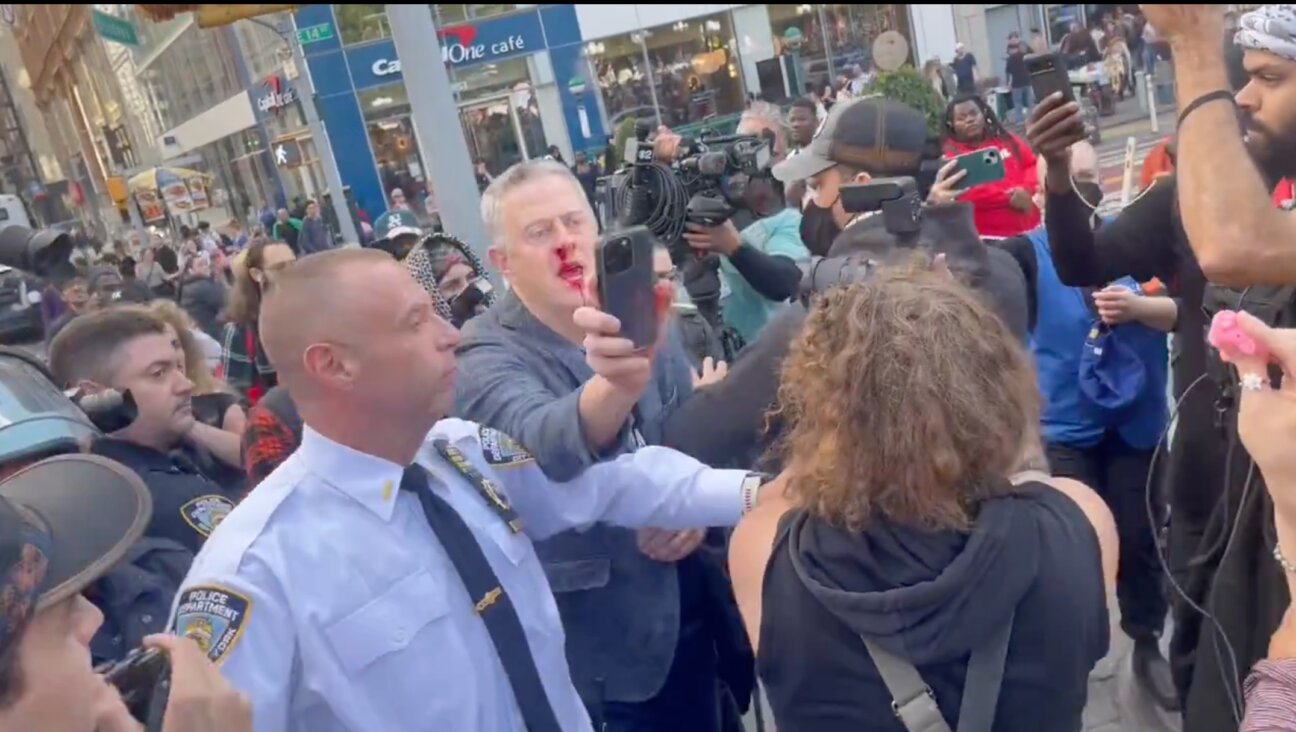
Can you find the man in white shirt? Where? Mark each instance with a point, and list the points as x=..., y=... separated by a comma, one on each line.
x=378, y=579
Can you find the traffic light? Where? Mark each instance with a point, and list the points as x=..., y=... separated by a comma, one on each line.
x=210, y=16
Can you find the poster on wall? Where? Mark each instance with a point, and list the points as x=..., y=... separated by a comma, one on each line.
x=198, y=192
x=174, y=192
x=150, y=206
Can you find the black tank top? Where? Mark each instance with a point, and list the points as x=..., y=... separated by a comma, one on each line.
x=819, y=677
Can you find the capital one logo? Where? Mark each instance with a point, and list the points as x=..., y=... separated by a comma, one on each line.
x=458, y=45
x=276, y=97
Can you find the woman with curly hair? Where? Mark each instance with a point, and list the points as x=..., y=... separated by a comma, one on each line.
x=915, y=539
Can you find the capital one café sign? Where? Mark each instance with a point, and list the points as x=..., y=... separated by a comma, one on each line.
x=276, y=95
x=459, y=46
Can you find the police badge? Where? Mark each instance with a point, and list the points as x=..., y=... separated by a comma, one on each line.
x=213, y=617
x=502, y=451
x=205, y=513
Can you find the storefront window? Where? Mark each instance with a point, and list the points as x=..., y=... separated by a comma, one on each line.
x=695, y=70
x=853, y=28
x=451, y=14
x=499, y=113
x=619, y=66
x=799, y=29
x=391, y=133
x=362, y=23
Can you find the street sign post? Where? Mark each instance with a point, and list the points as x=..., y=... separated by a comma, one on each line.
x=113, y=28
x=315, y=33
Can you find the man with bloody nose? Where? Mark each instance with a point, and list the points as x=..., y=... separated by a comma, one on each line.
x=634, y=603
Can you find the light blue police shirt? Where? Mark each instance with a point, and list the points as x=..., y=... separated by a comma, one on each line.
x=328, y=601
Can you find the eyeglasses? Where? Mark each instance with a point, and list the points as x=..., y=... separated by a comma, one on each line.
x=544, y=233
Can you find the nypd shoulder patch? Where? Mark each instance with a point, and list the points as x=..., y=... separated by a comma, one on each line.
x=213, y=616
x=502, y=451
x=205, y=513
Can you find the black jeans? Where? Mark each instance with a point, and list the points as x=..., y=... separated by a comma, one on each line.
x=1119, y=473
x=690, y=698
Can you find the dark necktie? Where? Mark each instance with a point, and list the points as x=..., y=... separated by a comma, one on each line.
x=492, y=603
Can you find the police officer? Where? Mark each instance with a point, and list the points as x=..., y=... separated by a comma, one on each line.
x=383, y=577
x=131, y=350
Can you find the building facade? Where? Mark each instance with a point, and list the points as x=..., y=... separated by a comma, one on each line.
x=531, y=78
x=95, y=133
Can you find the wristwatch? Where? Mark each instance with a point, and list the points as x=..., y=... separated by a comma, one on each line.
x=751, y=487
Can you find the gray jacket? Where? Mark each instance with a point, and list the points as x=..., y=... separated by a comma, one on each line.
x=619, y=608
x=315, y=236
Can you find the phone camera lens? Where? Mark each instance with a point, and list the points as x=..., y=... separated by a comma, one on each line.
x=618, y=255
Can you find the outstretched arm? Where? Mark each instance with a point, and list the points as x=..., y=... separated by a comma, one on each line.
x=1239, y=238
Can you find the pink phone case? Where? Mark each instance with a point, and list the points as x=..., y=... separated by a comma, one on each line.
x=1228, y=337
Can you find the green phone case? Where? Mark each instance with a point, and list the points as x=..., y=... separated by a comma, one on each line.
x=982, y=166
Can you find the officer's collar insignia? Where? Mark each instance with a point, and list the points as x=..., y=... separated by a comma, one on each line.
x=502, y=451
x=205, y=513
x=213, y=616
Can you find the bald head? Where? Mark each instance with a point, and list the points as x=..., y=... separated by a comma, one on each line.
x=358, y=343
x=320, y=298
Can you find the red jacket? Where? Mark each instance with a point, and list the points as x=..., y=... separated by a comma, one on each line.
x=993, y=215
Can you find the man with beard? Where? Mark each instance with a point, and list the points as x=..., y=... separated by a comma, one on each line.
x=1213, y=220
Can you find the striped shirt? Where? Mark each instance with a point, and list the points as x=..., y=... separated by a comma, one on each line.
x=1271, y=697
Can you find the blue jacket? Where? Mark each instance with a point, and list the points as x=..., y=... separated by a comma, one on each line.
x=621, y=610
x=1062, y=324
x=135, y=597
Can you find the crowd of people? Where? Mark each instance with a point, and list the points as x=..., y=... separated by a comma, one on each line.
x=363, y=490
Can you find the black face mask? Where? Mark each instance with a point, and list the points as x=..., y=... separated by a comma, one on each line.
x=818, y=228
x=466, y=305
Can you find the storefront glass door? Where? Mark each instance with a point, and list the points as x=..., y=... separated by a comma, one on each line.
x=502, y=134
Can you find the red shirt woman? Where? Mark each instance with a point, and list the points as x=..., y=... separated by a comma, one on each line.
x=1004, y=208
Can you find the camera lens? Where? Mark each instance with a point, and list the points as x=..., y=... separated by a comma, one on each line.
x=618, y=255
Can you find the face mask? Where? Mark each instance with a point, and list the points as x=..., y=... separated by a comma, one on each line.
x=818, y=228
x=1091, y=193
x=465, y=305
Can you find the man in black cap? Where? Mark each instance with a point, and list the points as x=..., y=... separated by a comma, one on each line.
x=858, y=141
x=64, y=522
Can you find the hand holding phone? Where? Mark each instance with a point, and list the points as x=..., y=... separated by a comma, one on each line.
x=980, y=167
x=626, y=283
x=202, y=700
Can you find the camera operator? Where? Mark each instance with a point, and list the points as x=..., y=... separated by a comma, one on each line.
x=130, y=349
x=1218, y=552
x=759, y=268
x=64, y=522
x=726, y=424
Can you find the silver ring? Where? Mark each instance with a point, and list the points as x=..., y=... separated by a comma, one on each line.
x=1253, y=382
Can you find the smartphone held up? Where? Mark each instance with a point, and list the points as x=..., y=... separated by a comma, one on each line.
x=627, y=283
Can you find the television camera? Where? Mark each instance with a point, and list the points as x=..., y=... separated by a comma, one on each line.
x=705, y=185
x=37, y=418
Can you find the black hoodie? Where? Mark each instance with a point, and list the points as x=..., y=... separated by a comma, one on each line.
x=932, y=598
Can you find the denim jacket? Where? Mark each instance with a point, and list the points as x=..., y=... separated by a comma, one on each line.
x=619, y=608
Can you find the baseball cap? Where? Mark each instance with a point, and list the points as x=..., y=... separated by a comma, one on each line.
x=1111, y=373
x=880, y=136
x=396, y=223
x=64, y=522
